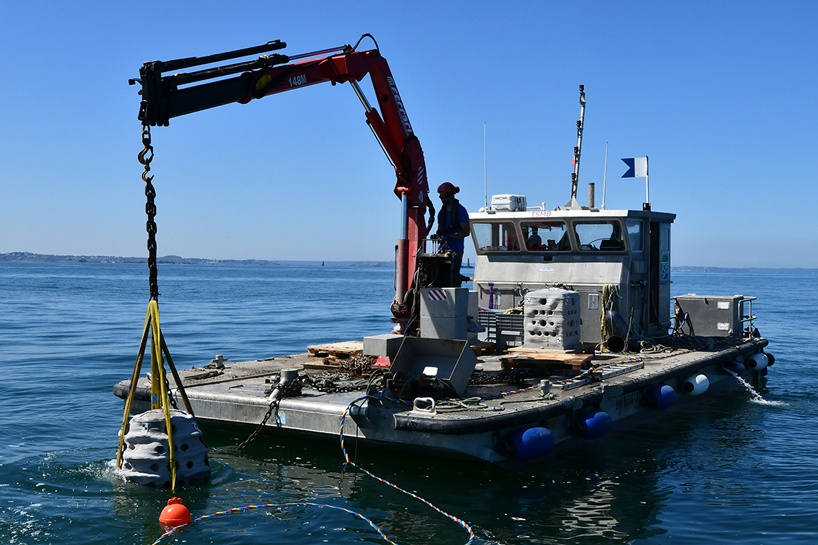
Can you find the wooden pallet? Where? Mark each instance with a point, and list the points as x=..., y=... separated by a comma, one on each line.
x=531, y=350
x=546, y=359
x=340, y=350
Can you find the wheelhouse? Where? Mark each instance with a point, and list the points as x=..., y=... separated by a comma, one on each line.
x=616, y=259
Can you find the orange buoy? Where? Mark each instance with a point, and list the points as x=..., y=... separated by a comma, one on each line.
x=174, y=514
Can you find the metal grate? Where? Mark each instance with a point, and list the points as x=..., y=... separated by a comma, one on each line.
x=502, y=329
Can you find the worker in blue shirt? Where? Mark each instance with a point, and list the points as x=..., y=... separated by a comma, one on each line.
x=452, y=228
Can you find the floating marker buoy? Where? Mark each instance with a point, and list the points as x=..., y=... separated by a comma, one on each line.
x=532, y=442
x=594, y=424
x=757, y=361
x=174, y=514
x=660, y=397
x=696, y=384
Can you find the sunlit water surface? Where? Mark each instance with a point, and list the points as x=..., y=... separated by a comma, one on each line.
x=739, y=470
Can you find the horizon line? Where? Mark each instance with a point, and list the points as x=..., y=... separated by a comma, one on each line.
x=172, y=259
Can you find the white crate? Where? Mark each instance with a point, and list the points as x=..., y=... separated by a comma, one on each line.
x=511, y=203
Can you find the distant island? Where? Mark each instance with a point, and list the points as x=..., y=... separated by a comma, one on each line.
x=723, y=270
x=174, y=260
x=178, y=260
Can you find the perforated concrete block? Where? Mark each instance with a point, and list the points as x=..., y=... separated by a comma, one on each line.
x=552, y=319
x=145, y=456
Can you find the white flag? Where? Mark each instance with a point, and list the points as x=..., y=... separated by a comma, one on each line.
x=637, y=167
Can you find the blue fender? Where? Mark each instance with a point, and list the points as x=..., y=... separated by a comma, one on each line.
x=660, y=397
x=594, y=424
x=532, y=442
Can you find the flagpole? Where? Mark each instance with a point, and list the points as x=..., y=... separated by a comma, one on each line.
x=605, y=176
x=485, y=169
x=647, y=189
x=647, y=182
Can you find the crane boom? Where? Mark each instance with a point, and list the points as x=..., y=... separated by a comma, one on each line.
x=166, y=96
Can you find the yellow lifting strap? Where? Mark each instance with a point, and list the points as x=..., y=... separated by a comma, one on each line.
x=159, y=385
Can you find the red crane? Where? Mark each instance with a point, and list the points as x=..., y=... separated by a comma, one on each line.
x=177, y=94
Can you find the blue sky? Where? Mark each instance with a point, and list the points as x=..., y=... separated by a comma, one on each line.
x=720, y=95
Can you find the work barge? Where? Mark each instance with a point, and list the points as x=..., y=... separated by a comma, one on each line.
x=568, y=333
x=488, y=422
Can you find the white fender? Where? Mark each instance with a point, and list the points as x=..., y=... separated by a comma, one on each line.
x=696, y=384
x=757, y=361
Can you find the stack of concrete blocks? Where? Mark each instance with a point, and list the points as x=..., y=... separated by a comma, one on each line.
x=552, y=319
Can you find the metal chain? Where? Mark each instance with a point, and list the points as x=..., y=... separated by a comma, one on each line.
x=260, y=427
x=293, y=387
x=145, y=158
x=171, y=395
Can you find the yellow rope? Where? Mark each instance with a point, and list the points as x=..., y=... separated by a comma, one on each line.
x=134, y=378
x=159, y=385
x=603, y=323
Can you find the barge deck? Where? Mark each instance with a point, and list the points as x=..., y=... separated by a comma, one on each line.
x=507, y=394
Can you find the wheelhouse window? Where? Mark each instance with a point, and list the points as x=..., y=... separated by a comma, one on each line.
x=496, y=236
x=599, y=235
x=634, y=228
x=545, y=236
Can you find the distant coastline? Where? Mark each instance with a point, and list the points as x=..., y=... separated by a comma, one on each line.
x=174, y=260
x=727, y=270
x=178, y=260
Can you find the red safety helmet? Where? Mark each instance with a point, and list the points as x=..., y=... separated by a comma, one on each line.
x=448, y=187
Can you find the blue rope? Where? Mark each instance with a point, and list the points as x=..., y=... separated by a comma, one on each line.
x=461, y=522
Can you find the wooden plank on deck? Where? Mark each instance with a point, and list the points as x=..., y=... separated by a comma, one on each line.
x=546, y=359
x=341, y=350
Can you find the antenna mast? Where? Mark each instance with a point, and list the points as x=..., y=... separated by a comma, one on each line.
x=577, y=150
x=605, y=176
x=485, y=169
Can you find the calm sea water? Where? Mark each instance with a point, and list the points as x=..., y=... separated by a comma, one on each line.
x=732, y=471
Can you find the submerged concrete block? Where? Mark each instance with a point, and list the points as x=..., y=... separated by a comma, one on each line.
x=146, y=457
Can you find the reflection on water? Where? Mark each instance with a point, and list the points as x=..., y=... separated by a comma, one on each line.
x=618, y=500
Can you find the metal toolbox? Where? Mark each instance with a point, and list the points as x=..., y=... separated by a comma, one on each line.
x=711, y=315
